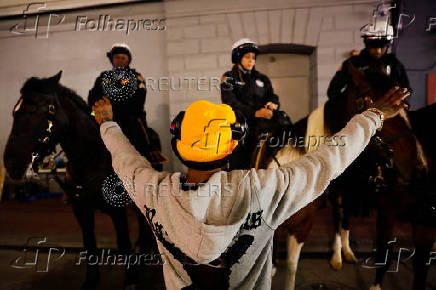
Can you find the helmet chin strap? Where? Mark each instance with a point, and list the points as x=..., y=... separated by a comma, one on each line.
x=243, y=67
x=115, y=67
x=118, y=67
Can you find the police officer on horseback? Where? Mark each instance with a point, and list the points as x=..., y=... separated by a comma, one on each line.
x=126, y=90
x=250, y=92
x=377, y=37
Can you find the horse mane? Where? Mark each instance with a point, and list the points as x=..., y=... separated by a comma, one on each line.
x=74, y=97
x=334, y=116
x=45, y=86
x=287, y=154
x=378, y=80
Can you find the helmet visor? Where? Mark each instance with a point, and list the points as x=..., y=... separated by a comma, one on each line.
x=376, y=42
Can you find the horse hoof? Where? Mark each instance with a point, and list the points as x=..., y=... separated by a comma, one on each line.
x=375, y=287
x=336, y=263
x=350, y=258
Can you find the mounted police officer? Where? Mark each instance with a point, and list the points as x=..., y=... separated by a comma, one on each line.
x=125, y=88
x=377, y=37
x=250, y=92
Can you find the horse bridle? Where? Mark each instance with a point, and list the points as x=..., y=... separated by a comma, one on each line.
x=382, y=143
x=45, y=144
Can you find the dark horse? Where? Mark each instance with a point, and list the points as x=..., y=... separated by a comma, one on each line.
x=47, y=114
x=401, y=191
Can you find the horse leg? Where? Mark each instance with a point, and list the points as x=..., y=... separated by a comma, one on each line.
x=280, y=236
x=383, y=256
x=294, y=244
x=119, y=219
x=336, y=259
x=338, y=215
x=294, y=250
x=345, y=239
x=146, y=240
x=423, y=237
x=85, y=217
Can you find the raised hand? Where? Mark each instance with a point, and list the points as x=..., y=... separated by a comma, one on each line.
x=392, y=102
x=102, y=110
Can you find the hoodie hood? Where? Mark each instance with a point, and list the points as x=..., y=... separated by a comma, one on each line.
x=211, y=215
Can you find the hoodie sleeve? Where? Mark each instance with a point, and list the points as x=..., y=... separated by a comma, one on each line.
x=128, y=164
x=285, y=190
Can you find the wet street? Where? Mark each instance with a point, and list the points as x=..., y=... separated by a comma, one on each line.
x=40, y=249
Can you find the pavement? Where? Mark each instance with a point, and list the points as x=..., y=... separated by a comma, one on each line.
x=32, y=228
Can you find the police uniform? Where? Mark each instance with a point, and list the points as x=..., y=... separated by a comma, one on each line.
x=129, y=113
x=365, y=62
x=133, y=106
x=247, y=92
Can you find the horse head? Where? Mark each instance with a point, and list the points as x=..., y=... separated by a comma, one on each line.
x=368, y=85
x=38, y=124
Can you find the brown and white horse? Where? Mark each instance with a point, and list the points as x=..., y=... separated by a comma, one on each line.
x=395, y=162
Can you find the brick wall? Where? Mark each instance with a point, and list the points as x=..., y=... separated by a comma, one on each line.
x=199, y=41
x=199, y=38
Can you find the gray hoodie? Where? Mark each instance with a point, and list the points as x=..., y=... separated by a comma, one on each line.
x=219, y=235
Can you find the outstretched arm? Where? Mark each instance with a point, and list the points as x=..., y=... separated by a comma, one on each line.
x=300, y=182
x=126, y=161
x=286, y=190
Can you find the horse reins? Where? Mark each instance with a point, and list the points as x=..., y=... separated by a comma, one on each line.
x=383, y=143
x=44, y=142
x=45, y=145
